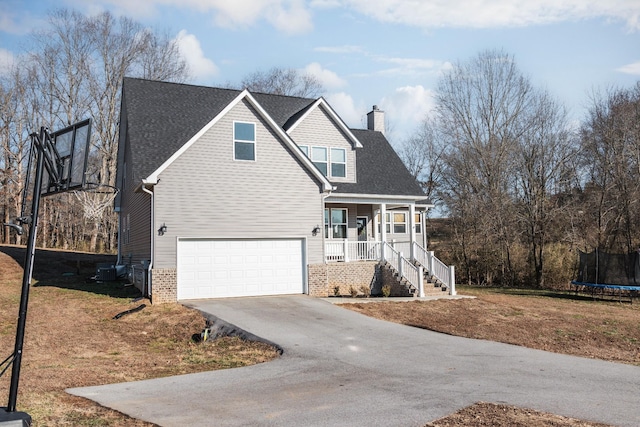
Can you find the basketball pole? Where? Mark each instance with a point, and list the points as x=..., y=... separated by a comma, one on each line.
x=38, y=142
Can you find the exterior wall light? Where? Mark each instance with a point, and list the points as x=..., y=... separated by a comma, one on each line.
x=315, y=230
x=162, y=230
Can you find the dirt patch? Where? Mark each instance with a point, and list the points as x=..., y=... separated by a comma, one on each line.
x=73, y=340
x=484, y=414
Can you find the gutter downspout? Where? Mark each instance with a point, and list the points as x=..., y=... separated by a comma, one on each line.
x=153, y=238
x=119, y=237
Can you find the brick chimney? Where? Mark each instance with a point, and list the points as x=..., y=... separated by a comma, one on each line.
x=375, y=120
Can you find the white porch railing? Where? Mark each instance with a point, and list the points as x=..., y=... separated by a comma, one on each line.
x=346, y=251
x=411, y=273
x=435, y=267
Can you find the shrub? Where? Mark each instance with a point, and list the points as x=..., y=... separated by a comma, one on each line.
x=336, y=291
x=353, y=291
x=365, y=290
x=386, y=290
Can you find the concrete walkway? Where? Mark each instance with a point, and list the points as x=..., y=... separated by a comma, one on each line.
x=340, y=368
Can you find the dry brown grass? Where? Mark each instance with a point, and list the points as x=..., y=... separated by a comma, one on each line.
x=72, y=339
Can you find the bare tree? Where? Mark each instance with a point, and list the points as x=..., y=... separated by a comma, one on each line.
x=481, y=106
x=422, y=153
x=283, y=81
x=546, y=167
x=610, y=148
x=75, y=71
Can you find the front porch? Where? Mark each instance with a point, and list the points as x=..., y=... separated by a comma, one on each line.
x=411, y=264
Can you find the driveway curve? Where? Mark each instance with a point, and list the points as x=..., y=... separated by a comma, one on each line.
x=341, y=368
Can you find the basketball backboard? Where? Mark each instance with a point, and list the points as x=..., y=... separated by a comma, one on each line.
x=66, y=154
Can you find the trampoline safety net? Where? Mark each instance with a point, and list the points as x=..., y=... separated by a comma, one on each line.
x=599, y=267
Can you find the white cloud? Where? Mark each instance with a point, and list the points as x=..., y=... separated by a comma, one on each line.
x=346, y=108
x=406, y=107
x=7, y=60
x=329, y=79
x=190, y=49
x=324, y=4
x=412, y=66
x=633, y=69
x=495, y=13
x=289, y=16
x=339, y=49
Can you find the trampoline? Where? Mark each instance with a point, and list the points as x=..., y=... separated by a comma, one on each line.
x=609, y=276
x=602, y=291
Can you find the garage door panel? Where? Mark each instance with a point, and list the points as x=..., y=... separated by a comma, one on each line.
x=227, y=268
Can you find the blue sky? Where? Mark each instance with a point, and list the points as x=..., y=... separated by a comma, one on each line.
x=384, y=52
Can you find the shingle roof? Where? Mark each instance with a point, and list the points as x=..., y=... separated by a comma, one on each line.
x=162, y=117
x=379, y=169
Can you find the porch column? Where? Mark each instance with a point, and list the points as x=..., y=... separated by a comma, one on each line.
x=383, y=228
x=412, y=232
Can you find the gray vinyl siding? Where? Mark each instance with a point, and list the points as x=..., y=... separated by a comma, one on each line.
x=205, y=193
x=319, y=130
x=137, y=205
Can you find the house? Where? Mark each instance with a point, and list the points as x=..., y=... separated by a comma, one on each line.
x=228, y=193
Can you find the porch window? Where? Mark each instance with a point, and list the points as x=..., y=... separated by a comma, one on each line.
x=244, y=141
x=387, y=221
x=418, y=223
x=336, y=221
x=399, y=222
x=338, y=162
x=396, y=221
x=319, y=158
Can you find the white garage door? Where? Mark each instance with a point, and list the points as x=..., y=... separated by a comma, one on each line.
x=210, y=268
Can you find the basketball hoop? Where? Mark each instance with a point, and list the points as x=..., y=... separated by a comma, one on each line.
x=95, y=199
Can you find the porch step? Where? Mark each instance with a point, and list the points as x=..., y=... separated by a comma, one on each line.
x=431, y=287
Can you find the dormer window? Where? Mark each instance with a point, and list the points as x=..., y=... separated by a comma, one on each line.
x=338, y=162
x=319, y=158
x=332, y=162
x=244, y=141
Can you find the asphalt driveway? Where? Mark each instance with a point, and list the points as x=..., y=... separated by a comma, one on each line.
x=341, y=368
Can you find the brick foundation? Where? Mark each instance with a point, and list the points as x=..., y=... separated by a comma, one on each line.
x=164, y=285
x=324, y=278
x=318, y=284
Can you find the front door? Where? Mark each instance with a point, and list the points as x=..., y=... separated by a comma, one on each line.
x=361, y=222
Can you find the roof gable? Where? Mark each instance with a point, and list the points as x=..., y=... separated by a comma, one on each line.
x=165, y=119
x=295, y=120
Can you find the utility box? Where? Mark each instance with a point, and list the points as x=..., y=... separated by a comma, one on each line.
x=105, y=272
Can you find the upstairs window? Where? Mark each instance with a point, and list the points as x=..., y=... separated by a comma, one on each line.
x=305, y=150
x=319, y=158
x=338, y=162
x=244, y=141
